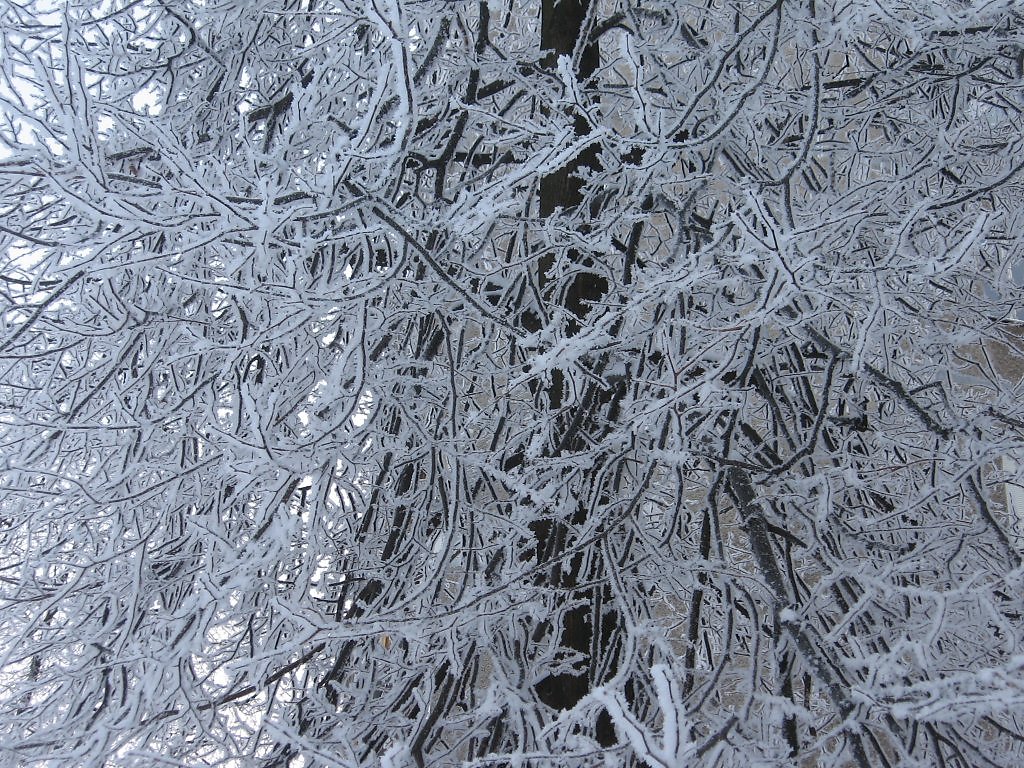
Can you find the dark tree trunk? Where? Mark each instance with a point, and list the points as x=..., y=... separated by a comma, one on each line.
x=590, y=629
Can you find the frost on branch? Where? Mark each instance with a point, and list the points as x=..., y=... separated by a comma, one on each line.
x=516, y=382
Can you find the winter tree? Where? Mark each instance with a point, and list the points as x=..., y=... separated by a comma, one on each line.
x=511, y=383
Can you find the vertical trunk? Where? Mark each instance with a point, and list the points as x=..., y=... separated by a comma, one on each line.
x=589, y=629
x=561, y=27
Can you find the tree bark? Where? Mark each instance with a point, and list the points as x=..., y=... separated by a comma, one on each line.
x=588, y=629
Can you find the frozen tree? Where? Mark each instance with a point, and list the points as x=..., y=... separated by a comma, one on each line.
x=511, y=383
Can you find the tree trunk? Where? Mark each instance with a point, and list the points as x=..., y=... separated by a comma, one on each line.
x=589, y=629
